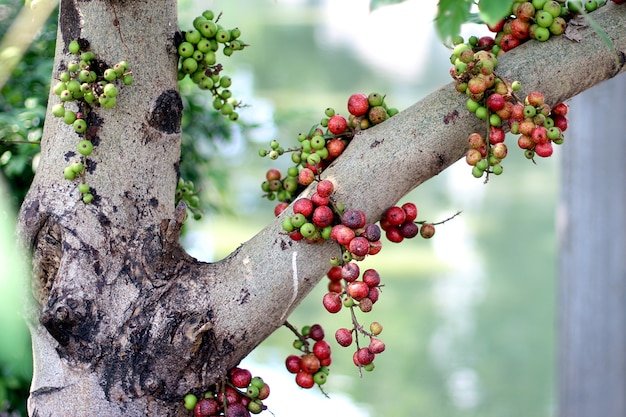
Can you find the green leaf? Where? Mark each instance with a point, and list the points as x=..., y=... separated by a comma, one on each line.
x=375, y=4
x=491, y=11
x=451, y=15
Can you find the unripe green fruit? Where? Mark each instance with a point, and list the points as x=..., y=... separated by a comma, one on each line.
x=497, y=169
x=79, y=125
x=234, y=116
x=89, y=97
x=226, y=94
x=185, y=49
x=225, y=82
x=209, y=15
x=69, y=173
x=73, y=66
x=64, y=76
x=58, y=110
x=193, y=36
x=477, y=172
x=209, y=57
x=74, y=47
x=85, y=147
x=575, y=6
x=189, y=65
x=110, y=90
x=109, y=74
x=222, y=36
x=77, y=167
x=107, y=102
x=495, y=120
x=218, y=103
x=287, y=225
x=308, y=230
x=206, y=83
x=329, y=112
x=320, y=378
x=87, y=198
x=87, y=56
x=252, y=391
x=227, y=108
x=318, y=142
x=208, y=28
x=591, y=5
x=375, y=99
x=235, y=33
x=273, y=155
x=190, y=401
x=472, y=105
x=69, y=117
x=313, y=159
x=482, y=113
x=59, y=88
x=66, y=95
x=483, y=164
x=297, y=220
x=227, y=51
x=83, y=188
x=542, y=34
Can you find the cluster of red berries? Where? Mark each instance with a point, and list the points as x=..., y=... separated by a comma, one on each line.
x=363, y=357
x=323, y=143
x=310, y=367
x=241, y=396
x=400, y=223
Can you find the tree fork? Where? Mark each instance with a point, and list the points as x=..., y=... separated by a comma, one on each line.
x=123, y=320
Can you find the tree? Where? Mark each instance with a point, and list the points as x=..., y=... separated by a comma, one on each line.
x=123, y=320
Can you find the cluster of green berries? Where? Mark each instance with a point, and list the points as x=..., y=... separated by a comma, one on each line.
x=311, y=367
x=494, y=100
x=198, y=59
x=87, y=83
x=185, y=191
x=321, y=145
x=241, y=396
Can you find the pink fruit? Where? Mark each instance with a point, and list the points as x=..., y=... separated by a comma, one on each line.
x=325, y=188
x=323, y=216
x=371, y=277
x=359, y=246
x=337, y=124
x=293, y=363
x=358, y=104
x=304, y=206
x=343, y=336
x=332, y=302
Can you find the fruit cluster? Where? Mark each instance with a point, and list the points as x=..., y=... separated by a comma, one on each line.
x=87, y=82
x=494, y=100
x=321, y=145
x=363, y=357
x=185, y=191
x=400, y=223
x=240, y=396
x=537, y=19
x=311, y=366
x=197, y=51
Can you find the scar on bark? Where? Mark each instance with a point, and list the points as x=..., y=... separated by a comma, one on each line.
x=166, y=112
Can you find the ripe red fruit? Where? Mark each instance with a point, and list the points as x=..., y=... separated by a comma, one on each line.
x=316, y=332
x=358, y=290
x=517, y=112
x=525, y=11
x=359, y=246
x=337, y=124
x=525, y=142
x=264, y=392
x=409, y=230
x=486, y=42
x=296, y=235
x=535, y=98
x=373, y=294
x=310, y=363
x=560, y=122
x=306, y=176
x=561, y=109
x=334, y=273
x=280, y=207
x=323, y=216
x=544, y=149
x=321, y=349
x=393, y=234
x=343, y=336
x=350, y=271
x=342, y=234
x=335, y=147
x=335, y=286
x=495, y=102
x=354, y=219
x=371, y=277
x=375, y=247
x=520, y=29
x=376, y=346
x=237, y=410
x=395, y=216
x=496, y=135
x=332, y=302
x=206, y=407
x=303, y=205
x=497, y=27
x=427, y=231
x=304, y=379
x=410, y=211
x=508, y=42
x=318, y=200
x=539, y=134
x=230, y=396
x=272, y=174
x=371, y=232
x=293, y=363
x=364, y=357
x=240, y=378
x=358, y=104
x=475, y=141
x=325, y=188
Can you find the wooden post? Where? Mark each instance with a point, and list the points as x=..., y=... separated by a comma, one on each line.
x=592, y=235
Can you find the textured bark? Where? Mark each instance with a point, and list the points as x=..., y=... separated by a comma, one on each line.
x=124, y=322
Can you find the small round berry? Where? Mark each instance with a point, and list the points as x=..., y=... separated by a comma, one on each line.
x=395, y=216
x=427, y=230
x=316, y=332
x=69, y=173
x=293, y=364
x=87, y=198
x=74, y=47
x=376, y=328
x=305, y=379
x=358, y=104
x=69, y=117
x=85, y=147
x=80, y=125
x=58, y=110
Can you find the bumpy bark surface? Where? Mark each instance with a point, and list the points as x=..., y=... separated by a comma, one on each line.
x=124, y=322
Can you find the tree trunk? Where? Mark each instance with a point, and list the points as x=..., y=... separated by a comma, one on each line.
x=592, y=305
x=123, y=321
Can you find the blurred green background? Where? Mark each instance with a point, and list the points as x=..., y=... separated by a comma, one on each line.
x=469, y=316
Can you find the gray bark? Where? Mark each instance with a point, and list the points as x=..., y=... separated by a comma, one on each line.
x=123, y=321
x=592, y=331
